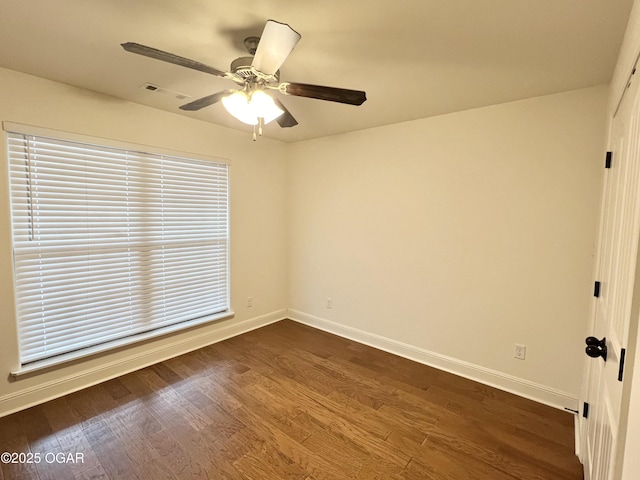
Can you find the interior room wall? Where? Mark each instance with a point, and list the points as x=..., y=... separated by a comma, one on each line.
x=446, y=239
x=451, y=239
x=257, y=222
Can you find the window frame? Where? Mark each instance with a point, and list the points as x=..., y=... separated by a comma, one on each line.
x=20, y=129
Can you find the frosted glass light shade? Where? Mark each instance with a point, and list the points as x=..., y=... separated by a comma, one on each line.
x=248, y=108
x=237, y=104
x=264, y=106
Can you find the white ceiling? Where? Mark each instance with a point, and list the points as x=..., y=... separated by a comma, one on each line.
x=414, y=58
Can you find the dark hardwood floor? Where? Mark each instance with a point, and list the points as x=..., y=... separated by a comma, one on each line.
x=290, y=402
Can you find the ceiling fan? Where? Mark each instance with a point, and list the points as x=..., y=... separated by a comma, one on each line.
x=256, y=75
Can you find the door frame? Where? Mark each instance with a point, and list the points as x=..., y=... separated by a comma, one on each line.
x=628, y=437
x=627, y=461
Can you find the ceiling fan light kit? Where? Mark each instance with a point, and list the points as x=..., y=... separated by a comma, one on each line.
x=250, y=107
x=257, y=74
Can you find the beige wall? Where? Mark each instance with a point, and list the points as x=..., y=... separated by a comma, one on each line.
x=258, y=222
x=450, y=239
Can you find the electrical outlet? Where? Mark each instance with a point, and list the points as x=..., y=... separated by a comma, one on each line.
x=249, y=302
x=329, y=302
x=520, y=352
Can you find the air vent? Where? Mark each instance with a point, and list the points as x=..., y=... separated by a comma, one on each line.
x=150, y=87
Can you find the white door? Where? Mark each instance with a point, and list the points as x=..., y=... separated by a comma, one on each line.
x=615, y=270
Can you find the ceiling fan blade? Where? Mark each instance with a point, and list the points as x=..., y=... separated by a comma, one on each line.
x=285, y=120
x=205, y=101
x=277, y=42
x=171, y=58
x=332, y=94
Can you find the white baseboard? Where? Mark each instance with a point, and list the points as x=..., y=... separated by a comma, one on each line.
x=493, y=378
x=64, y=385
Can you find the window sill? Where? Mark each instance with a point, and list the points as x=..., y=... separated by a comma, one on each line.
x=123, y=342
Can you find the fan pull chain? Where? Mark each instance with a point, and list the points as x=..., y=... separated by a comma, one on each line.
x=260, y=123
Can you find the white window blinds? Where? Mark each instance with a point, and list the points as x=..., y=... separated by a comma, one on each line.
x=112, y=242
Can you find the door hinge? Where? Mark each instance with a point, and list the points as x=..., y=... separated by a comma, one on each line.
x=607, y=161
x=585, y=410
x=623, y=354
x=596, y=289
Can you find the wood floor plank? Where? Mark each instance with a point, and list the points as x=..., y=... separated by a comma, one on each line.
x=290, y=402
x=153, y=469
x=135, y=445
x=94, y=473
x=65, y=423
x=53, y=461
x=216, y=389
x=314, y=403
x=447, y=467
x=212, y=457
x=169, y=452
x=445, y=442
x=510, y=416
x=308, y=401
x=14, y=468
x=270, y=407
x=269, y=462
x=331, y=446
x=317, y=466
x=115, y=462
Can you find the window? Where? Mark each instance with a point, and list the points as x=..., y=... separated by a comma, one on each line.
x=112, y=244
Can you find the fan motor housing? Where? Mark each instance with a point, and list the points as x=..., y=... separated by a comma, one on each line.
x=242, y=67
x=240, y=64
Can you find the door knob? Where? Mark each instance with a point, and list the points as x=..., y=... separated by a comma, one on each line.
x=596, y=348
x=596, y=342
